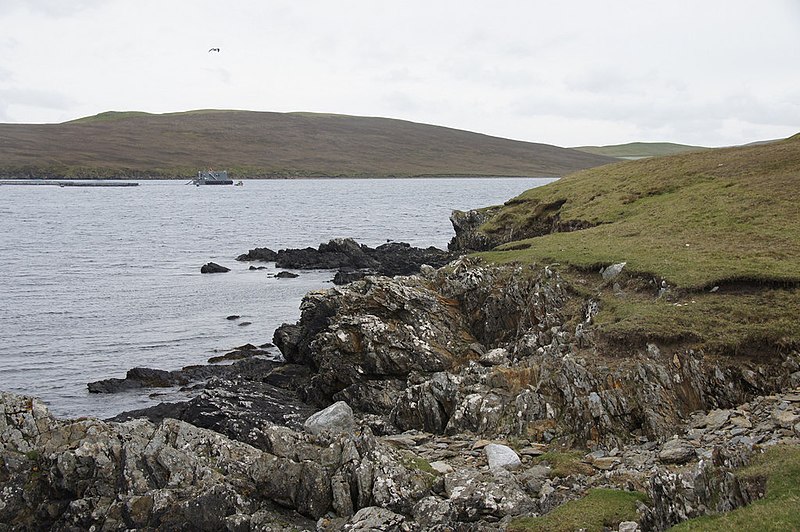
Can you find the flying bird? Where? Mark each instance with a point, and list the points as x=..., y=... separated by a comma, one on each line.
x=213, y=49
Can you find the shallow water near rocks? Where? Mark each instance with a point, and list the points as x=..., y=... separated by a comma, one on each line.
x=98, y=280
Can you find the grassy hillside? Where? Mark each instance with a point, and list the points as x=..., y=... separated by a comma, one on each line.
x=720, y=228
x=640, y=150
x=256, y=144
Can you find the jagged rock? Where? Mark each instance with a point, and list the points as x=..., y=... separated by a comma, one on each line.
x=501, y=457
x=375, y=328
x=337, y=418
x=474, y=496
x=628, y=526
x=286, y=275
x=213, y=267
x=377, y=339
x=137, y=474
x=467, y=237
x=678, y=496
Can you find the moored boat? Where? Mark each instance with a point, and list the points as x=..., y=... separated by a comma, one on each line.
x=210, y=177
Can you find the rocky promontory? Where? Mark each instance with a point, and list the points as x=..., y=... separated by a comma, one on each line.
x=480, y=396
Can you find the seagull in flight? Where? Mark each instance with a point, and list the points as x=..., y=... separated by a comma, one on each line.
x=213, y=49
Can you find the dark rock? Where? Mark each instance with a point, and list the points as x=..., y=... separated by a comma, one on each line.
x=355, y=261
x=233, y=317
x=286, y=275
x=154, y=378
x=245, y=323
x=245, y=351
x=112, y=386
x=255, y=268
x=241, y=409
x=137, y=378
x=349, y=275
x=338, y=253
x=213, y=267
x=260, y=254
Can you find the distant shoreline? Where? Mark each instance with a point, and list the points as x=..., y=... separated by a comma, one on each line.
x=58, y=180
x=69, y=182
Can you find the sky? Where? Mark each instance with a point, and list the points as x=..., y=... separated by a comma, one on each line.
x=567, y=72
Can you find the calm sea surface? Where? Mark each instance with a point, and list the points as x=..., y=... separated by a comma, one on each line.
x=99, y=280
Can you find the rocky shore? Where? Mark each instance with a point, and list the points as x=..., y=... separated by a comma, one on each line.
x=353, y=260
x=461, y=398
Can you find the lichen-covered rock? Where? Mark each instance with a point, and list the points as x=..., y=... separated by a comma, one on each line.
x=337, y=418
x=376, y=519
x=137, y=474
x=375, y=328
x=495, y=350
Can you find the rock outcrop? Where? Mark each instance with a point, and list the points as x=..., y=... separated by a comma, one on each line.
x=446, y=399
x=69, y=475
x=433, y=342
x=354, y=260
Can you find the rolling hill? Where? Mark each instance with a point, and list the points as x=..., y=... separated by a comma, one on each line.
x=262, y=144
x=640, y=150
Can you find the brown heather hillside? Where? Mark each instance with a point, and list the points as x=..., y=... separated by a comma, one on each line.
x=260, y=144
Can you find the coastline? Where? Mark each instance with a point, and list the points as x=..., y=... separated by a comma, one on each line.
x=440, y=388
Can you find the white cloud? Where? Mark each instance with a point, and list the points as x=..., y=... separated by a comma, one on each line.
x=568, y=73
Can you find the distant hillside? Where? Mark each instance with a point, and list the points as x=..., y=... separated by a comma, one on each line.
x=640, y=150
x=260, y=144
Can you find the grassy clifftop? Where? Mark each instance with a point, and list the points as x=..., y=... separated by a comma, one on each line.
x=720, y=229
x=695, y=220
x=258, y=144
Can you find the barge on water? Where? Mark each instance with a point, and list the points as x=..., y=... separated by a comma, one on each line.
x=210, y=177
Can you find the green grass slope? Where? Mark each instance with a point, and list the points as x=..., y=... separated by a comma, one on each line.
x=259, y=144
x=695, y=220
x=726, y=218
x=640, y=150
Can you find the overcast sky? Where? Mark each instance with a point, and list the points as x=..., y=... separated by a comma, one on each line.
x=568, y=72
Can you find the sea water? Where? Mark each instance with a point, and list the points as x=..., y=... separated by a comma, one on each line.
x=97, y=280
